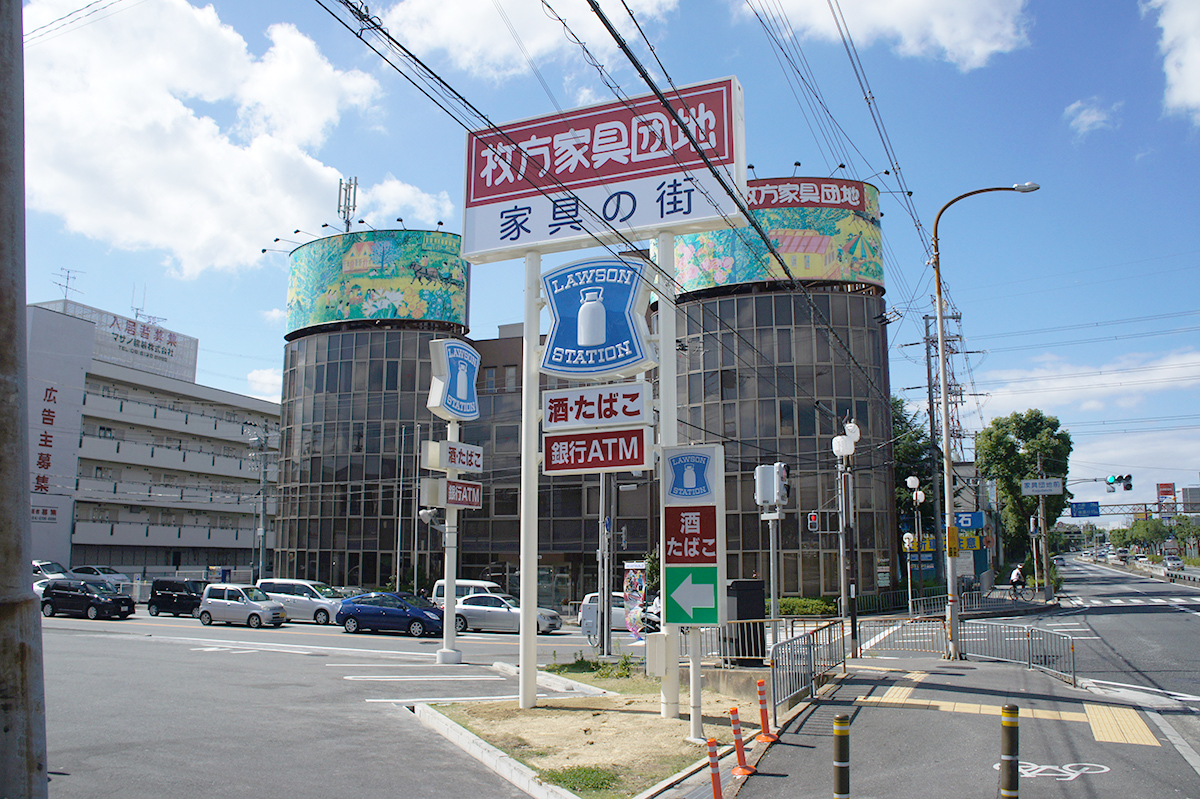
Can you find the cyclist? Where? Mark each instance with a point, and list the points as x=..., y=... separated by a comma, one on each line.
x=1016, y=581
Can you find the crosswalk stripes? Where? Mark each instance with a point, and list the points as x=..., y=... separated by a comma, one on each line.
x=1074, y=601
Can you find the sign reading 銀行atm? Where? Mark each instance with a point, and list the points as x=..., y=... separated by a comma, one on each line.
x=559, y=182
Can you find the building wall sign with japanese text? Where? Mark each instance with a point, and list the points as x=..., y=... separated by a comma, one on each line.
x=530, y=184
x=589, y=452
x=452, y=395
x=439, y=492
x=598, y=320
x=691, y=535
x=594, y=406
x=439, y=456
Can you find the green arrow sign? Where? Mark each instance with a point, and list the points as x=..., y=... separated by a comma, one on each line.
x=690, y=595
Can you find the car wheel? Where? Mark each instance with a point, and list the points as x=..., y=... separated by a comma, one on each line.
x=322, y=617
x=351, y=624
x=416, y=628
x=47, y=609
x=92, y=613
x=460, y=624
x=205, y=618
x=196, y=612
x=254, y=621
x=153, y=610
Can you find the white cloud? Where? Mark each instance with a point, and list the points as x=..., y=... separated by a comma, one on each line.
x=1084, y=116
x=473, y=35
x=274, y=315
x=964, y=32
x=266, y=384
x=160, y=130
x=1180, y=46
x=394, y=198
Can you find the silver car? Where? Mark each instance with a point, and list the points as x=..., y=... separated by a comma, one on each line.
x=499, y=612
x=240, y=604
x=304, y=599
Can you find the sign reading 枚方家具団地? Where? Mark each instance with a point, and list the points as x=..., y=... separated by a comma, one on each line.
x=1042, y=486
x=561, y=182
x=598, y=320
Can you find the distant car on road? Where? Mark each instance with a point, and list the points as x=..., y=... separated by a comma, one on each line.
x=407, y=612
x=175, y=596
x=500, y=612
x=1059, y=560
x=1173, y=563
x=306, y=600
x=39, y=586
x=103, y=572
x=90, y=597
x=49, y=570
x=240, y=604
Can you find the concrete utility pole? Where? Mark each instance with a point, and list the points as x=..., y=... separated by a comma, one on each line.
x=22, y=695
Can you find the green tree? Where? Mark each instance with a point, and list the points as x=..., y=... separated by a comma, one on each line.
x=911, y=455
x=1007, y=451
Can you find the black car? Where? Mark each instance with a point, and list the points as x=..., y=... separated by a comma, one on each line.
x=170, y=595
x=92, y=598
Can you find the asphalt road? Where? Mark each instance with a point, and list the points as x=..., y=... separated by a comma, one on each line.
x=153, y=707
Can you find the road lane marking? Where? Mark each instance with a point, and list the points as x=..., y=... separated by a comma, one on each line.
x=441, y=700
x=416, y=677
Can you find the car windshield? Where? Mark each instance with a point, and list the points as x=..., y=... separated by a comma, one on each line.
x=53, y=567
x=328, y=591
x=106, y=570
x=510, y=599
x=195, y=585
x=100, y=587
x=255, y=594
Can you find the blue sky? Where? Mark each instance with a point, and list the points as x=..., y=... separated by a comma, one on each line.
x=169, y=143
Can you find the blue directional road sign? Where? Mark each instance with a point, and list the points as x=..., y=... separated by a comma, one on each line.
x=1080, y=509
x=969, y=521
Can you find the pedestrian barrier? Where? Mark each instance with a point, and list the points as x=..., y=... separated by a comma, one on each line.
x=741, y=769
x=746, y=642
x=714, y=768
x=1009, y=751
x=1045, y=650
x=902, y=634
x=799, y=662
x=968, y=601
x=886, y=601
x=841, y=757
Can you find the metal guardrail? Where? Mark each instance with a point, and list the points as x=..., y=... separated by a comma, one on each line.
x=886, y=601
x=1045, y=650
x=798, y=662
x=747, y=642
x=968, y=601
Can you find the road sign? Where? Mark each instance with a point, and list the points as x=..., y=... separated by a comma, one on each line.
x=592, y=451
x=691, y=595
x=1042, y=486
x=438, y=456
x=530, y=183
x=1080, y=509
x=597, y=320
x=952, y=542
x=594, y=406
x=453, y=365
x=969, y=521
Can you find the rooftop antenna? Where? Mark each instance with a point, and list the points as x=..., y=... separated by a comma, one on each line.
x=140, y=314
x=66, y=276
x=347, y=200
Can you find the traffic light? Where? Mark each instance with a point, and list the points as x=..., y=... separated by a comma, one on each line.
x=1123, y=480
x=783, y=488
x=1127, y=482
x=1110, y=483
x=814, y=523
x=765, y=490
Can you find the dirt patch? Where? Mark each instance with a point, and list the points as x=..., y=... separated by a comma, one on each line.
x=624, y=733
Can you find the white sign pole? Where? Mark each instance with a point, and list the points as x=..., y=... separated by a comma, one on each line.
x=668, y=436
x=527, y=645
x=448, y=654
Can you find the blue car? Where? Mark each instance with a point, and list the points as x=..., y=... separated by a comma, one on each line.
x=413, y=614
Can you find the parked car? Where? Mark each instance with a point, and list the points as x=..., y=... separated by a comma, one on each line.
x=1173, y=563
x=175, y=596
x=39, y=586
x=304, y=599
x=413, y=614
x=463, y=588
x=500, y=612
x=49, y=570
x=89, y=597
x=103, y=572
x=1059, y=560
x=588, y=613
x=240, y=604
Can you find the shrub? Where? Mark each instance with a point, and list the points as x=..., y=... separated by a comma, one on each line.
x=581, y=778
x=805, y=606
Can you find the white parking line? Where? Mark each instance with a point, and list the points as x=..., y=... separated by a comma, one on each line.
x=415, y=677
x=437, y=700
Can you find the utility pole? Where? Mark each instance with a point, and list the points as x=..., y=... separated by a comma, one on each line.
x=934, y=453
x=22, y=691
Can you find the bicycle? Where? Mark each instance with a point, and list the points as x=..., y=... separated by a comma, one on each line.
x=1020, y=593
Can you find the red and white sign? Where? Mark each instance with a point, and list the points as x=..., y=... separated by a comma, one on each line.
x=593, y=451
x=1166, y=492
x=529, y=183
x=806, y=192
x=690, y=535
x=438, y=492
x=594, y=406
x=439, y=456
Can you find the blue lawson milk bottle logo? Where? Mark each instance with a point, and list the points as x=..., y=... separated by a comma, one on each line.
x=598, y=320
x=689, y=476
x=455, y=365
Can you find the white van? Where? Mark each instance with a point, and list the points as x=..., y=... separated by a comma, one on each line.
x=463, y=588
x=304, y=600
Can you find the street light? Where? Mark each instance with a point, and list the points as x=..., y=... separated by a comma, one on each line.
x=918, y=497
x=843, y=448
x=952, y=652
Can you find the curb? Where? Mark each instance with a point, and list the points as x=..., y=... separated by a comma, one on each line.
x=502, y=764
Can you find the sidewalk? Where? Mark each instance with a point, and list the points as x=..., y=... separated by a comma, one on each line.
x=928, y=728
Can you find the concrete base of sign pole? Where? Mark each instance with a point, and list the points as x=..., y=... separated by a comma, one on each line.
x=449, y=656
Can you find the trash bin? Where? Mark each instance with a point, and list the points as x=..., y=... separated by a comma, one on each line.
x=745, y=638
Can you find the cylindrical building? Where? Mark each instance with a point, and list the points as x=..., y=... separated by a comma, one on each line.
x=773, y=364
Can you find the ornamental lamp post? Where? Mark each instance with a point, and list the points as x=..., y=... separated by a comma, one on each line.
x=918, y=497
x=952, y=652
x=843, y=448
